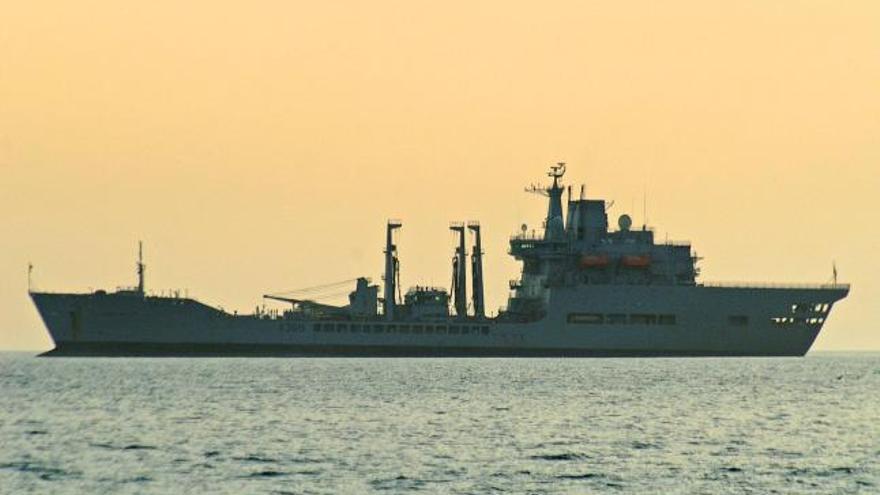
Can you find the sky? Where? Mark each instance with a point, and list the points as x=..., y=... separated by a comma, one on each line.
x=260, y=146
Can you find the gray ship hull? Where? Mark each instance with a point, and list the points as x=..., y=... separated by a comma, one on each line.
x=583, y=321
x=116, y=349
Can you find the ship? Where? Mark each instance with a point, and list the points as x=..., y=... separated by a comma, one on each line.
x=585, y=290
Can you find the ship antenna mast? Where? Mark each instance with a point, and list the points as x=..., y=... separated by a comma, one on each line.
x=557, y=171
x=141, y=267
x=554, y=224
x=459, y=271
x=392, y=270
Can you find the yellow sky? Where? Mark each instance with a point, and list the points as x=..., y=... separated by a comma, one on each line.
x=259, y=146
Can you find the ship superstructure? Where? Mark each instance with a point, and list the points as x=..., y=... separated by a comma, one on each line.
x=581, y=251
x=584, y=290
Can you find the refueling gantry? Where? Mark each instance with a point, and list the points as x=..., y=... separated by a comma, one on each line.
x=419, y=298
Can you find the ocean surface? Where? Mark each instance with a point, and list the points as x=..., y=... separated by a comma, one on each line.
x=542, y=426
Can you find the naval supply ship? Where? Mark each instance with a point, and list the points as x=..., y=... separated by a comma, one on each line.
x=585, y=290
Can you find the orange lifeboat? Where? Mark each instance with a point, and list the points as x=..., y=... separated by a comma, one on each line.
x=641, y=261
x=593, y=261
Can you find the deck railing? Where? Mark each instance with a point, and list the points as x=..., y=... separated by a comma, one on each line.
x=770, y=285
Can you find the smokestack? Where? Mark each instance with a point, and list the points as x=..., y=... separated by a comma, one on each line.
x=459, y=272
x=477, y=271
x=391, y=269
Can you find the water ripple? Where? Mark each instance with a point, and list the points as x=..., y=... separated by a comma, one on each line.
x=462, y=426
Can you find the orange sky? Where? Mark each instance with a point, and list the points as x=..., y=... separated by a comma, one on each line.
x=259, y=146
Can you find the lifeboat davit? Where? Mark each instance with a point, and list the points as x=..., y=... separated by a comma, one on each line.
x=593, y=261
x=641, y=261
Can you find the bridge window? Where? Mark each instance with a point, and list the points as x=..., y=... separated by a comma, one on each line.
x=377, y=328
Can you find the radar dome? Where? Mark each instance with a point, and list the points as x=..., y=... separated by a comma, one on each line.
x=624, y=222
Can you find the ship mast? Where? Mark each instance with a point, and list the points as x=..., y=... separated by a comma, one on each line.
x=391, y=269
x=477, y=271
x=141, y=267
x=554, y=225
x=459, y=272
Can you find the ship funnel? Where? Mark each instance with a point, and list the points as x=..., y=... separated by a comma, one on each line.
x=392, y=269
x=477, y=271
x=459, y=271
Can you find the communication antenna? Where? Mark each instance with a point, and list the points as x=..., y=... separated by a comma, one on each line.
x=30, y=272
x=557, y=171
x=141, y=268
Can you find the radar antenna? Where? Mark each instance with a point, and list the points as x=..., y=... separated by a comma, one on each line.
x=556, y=172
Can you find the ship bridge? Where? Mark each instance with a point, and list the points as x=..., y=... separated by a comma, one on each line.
x=578, y=247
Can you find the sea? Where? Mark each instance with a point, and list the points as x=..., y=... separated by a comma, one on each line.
x=456, y=426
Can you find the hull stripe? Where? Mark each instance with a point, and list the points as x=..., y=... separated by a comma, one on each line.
x=247, y=350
